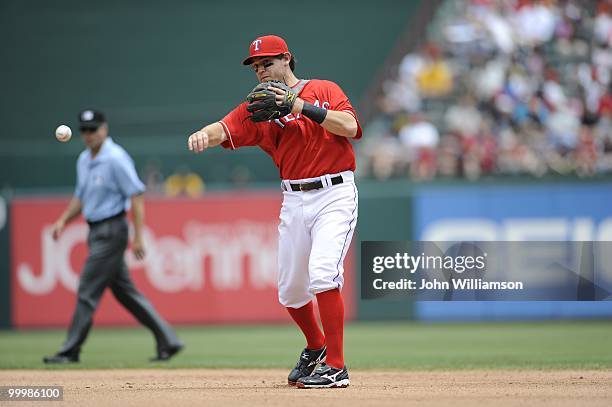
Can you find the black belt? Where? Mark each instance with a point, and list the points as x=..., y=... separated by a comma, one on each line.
x=310, y=186
x=98, y=222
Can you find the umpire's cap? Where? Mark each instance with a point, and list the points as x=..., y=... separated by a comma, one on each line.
x=266, y=46
x=91, y=119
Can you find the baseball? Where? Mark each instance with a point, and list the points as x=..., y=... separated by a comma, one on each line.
x=63, y=133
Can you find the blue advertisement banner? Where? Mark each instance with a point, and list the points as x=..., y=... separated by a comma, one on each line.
x=552, y=212
x=514, y=213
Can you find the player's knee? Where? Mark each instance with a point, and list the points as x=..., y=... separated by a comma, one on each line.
x=326, y=281
x=294, y=301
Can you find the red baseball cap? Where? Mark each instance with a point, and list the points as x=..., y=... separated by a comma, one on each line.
x=266, y=46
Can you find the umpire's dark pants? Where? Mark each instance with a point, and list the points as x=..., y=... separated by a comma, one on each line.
x=106, y=267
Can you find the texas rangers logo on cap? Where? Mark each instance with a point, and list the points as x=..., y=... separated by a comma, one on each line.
x=266, y=46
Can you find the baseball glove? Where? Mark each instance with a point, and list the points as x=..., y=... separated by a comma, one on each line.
x=262, y=102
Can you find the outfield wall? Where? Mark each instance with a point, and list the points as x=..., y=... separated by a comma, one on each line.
x=519, y=210
x=213, y=260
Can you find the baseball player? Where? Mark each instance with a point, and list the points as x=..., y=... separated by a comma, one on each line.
x=107, y=186
x=305, y=126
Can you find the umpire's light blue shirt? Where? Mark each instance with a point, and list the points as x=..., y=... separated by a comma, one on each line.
x=106, y=182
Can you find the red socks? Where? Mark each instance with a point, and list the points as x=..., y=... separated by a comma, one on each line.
x=306, y=320
x=331, y=308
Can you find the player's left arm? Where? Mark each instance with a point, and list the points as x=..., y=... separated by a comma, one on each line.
x=340, y=123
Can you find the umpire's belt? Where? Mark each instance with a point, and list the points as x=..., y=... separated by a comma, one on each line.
x=99, y=222
x=310, y=186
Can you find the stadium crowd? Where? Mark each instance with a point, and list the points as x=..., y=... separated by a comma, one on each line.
x=499, y=87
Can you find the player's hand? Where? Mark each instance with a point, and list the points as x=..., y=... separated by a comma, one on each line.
x=280, y=99
x=198, y=141
x=58, y=228
x=280, y=94
x=138, y=248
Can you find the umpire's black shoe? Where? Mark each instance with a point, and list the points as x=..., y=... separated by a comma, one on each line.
x=324, y=377
x=164, y=354
x=308, y=361
x=59, y=359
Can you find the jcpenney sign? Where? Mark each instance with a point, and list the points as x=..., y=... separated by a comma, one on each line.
x=208, y=260
x=215, y=255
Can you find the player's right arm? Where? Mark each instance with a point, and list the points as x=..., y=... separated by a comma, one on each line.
x=72, y=211
x=232, y=131
x=209, y=136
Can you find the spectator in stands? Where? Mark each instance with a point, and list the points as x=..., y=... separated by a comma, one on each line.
x=464, y=118
x=184, y=183
x=420, y=139
x=602, y=26
x=449, y=156
x=434, y=78
x=538, y=75
x=603, y=132
x=153, y=177
x=535, y=22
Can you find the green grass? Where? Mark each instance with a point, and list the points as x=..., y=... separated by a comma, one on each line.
x=511, y=345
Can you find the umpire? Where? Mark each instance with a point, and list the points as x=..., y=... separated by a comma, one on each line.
x=107, y=185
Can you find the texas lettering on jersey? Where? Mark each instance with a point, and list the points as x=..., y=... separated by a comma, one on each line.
x=291, y=117
x=300, y=147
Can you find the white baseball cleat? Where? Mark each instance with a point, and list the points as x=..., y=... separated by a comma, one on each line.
x=325, y=377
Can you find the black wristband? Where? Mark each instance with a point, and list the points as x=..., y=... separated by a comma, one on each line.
x=313, y=112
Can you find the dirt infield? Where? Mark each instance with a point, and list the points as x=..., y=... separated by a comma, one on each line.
x=186, y=387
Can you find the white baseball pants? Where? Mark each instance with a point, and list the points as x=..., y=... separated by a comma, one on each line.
x=315, y=232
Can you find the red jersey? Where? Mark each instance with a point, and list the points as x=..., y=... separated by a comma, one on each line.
x=300, y=147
